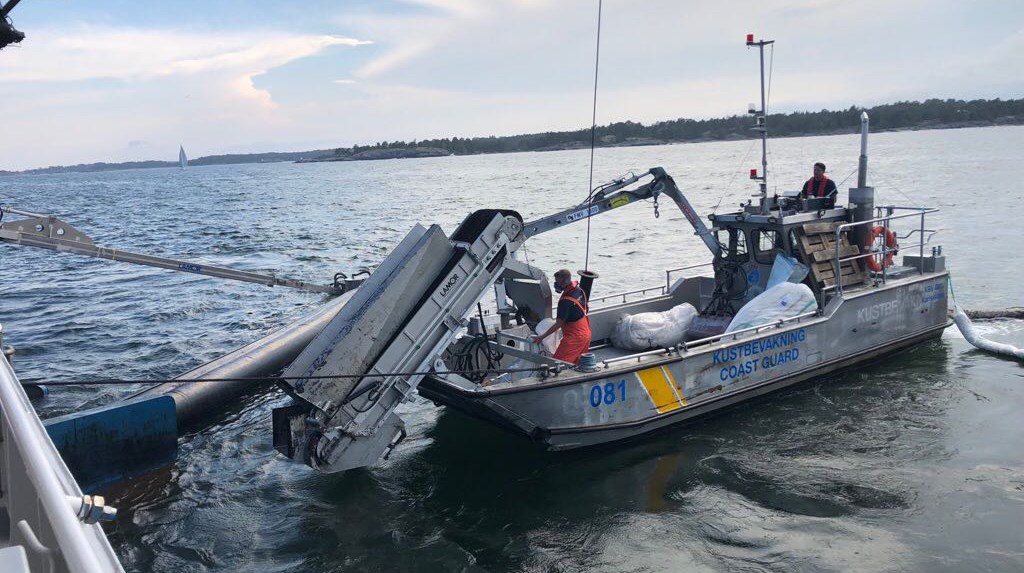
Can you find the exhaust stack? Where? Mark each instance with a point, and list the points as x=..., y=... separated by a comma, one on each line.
x=862, y=197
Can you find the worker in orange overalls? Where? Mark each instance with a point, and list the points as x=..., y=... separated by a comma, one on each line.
x=571, y=318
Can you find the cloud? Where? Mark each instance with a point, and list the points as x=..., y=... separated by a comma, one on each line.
x=79, y=93
x=228, y=63
x=131, y=54
x=463, y=67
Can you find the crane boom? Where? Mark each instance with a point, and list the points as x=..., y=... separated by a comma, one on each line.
x=617, y=194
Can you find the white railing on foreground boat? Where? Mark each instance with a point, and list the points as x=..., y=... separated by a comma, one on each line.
x=684, y=346
x=40, y=498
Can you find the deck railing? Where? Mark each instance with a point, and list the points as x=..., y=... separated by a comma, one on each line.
x=643, y=291
x=669, y=272
x=660, y=289
x=885, y=221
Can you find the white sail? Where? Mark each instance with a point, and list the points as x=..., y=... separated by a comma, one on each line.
x=182, y=158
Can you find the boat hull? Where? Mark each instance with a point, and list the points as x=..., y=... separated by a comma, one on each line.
x=624, y=401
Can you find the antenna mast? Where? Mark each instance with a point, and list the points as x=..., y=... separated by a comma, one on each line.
x=761, y=125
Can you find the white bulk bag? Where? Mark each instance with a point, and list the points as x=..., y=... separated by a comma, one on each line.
x=784, y=300
x=550, y=343
x=653, y=329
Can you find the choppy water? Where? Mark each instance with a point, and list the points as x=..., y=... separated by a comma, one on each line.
x=913, y=464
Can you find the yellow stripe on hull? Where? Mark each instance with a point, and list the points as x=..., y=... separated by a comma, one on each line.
x=672, y=384
x=661, y=388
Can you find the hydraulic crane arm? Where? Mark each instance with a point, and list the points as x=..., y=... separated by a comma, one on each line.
x=50, y=232
x=615, y=194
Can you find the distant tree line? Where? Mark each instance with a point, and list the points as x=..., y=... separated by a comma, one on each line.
x=932, y=113
x=230, y=159
x=899, y=115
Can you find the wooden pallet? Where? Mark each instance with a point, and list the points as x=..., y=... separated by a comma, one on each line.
x=817, y=246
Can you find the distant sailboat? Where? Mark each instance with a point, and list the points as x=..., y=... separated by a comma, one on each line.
x=182, y=158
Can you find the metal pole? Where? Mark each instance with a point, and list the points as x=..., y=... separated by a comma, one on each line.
x=862, y=165
x=764, y=138
x=885, y=243
x=762, y=125
x=920, y=260
x=839, y=275
x=49, y=232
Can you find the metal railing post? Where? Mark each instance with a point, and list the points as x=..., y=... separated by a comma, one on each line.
x=885, y=241
x=920, y=260
x=838, y=268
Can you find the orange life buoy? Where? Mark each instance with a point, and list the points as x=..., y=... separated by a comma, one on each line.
x=891, y=248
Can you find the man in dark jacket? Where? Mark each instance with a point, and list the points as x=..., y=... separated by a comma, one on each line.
x=819, y=185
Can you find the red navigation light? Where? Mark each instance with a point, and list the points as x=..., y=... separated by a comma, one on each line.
x=753, y=173
x=750, y=38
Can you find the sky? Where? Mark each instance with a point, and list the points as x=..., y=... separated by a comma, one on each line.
x=123, y=80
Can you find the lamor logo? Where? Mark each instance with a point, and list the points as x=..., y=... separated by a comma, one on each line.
x=448, y=285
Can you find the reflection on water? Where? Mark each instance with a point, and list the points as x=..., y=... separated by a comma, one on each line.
x=914, y=463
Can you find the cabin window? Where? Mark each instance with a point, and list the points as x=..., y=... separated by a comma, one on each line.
x=794, y=244
x=767, y=244
x=734, y=244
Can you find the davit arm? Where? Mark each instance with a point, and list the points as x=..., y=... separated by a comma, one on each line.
x=615, y=195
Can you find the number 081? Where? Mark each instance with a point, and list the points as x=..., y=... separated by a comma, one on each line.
x=608, y=394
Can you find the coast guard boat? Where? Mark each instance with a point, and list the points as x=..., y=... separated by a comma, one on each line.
x=409, y=327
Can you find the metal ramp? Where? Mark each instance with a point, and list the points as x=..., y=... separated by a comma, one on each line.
x=409, y=310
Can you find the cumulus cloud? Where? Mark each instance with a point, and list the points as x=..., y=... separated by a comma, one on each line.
x=90, y=52
x=78, y=92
